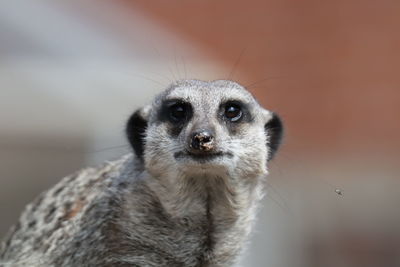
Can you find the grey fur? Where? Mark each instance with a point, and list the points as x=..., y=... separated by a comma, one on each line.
x=158, y=210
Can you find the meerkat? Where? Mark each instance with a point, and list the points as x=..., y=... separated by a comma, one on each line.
x=186, y=196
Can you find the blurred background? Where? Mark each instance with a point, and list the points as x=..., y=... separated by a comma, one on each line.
x=71, y=72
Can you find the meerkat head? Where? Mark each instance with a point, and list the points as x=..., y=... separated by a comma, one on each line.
x=205, y=127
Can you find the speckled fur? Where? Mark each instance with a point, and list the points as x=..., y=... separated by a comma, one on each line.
x=154, y=210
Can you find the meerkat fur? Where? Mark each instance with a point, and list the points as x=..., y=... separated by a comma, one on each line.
x=186, y=196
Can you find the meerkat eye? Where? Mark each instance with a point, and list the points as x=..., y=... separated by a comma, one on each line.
x=178, y=112
x=233, y=112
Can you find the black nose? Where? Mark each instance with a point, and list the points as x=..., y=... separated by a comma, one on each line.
x=202, y=141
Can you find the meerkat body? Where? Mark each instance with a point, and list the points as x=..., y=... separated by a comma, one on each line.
x=186, y=197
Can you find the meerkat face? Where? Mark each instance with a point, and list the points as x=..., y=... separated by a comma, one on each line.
x=205, y=127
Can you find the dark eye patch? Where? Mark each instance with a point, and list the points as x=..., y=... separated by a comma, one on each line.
x=176, y=112
x=234, y=111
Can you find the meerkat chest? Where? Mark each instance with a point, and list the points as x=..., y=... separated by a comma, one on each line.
x=184, y=230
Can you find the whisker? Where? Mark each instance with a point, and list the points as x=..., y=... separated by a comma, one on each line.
x=149, y=79
x=236, y=64
x=184, y=66
x=161, y=76
x=284, y=203
x=263, y=80
x=176, y=64
x=157, y=52
x=109, y=148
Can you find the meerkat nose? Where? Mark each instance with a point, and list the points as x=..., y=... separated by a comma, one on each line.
x=202, y=141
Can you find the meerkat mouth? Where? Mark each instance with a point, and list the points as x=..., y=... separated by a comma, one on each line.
x=202, y=156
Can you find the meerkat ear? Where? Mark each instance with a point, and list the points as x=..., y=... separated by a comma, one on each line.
x=274, y=131
x=136, y=130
